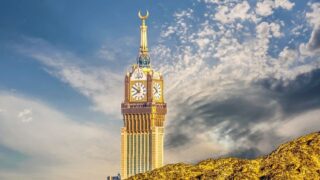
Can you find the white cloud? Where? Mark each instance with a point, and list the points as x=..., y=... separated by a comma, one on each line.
x=227, y=14
x=287, y=57
x=281, y=129
x=102, y=86
x=266, y=7
x=268, y=30
x=314, y=15
x=275, y=29
x=297, y=30
x=55, y=146
x=106, y=53
x=206, y=146
x=212, y=1
x=25, y=115
x=278, y=130
x=312, y=47
x=285, y=4
x=301, y=124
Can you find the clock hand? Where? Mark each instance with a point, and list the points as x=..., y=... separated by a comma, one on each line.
x=136, y=89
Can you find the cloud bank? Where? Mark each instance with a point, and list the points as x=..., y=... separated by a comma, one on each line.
x=232, y=89
x=48, y=145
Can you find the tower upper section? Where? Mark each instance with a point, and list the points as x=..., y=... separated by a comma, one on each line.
x=143, y=84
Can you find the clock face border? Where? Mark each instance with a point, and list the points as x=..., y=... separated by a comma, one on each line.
x=131, y=98
x=161, y=93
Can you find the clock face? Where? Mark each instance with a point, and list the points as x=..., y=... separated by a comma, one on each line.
x=138, y=91
x=156, y=91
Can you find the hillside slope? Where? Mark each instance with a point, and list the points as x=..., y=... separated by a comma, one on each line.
x=298, y=159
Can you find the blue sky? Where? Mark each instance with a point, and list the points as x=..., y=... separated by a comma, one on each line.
x=241, y=75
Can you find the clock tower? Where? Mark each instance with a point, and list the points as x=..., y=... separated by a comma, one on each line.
x=143, y=111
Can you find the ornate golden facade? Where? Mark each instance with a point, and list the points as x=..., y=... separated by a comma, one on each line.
x=143, y=113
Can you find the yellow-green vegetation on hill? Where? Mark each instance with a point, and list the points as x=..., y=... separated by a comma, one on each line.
x=298, y=159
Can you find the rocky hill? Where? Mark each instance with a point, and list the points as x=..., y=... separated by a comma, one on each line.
x=298, y=159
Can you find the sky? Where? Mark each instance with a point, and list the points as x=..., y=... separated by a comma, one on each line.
x=241, y=77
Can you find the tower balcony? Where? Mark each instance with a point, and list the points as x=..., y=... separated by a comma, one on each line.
x=143, y=108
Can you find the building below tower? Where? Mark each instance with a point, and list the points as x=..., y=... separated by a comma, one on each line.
x=118, y=177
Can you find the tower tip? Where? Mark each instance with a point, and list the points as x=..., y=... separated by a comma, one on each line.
x=143, y=17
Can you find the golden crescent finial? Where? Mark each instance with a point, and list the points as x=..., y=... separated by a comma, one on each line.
x=143, y=17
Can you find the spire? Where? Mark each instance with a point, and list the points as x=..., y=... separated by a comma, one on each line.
x=143, y=32
x=144, y=59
